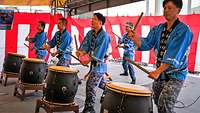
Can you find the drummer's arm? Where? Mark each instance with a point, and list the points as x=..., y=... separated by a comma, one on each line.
x=135, y=38
x=31, y=40
x=121, y=40
x=80, y=53
x=155, y=74
x=51, y=44
x=84, y=47
x=48, y=47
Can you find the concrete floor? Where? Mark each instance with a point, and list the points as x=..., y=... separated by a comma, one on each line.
x=12, y=104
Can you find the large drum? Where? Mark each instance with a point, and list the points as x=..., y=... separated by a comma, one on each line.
x=62, y=84
x=12, y=62
x=33, y=71
x=126, y=98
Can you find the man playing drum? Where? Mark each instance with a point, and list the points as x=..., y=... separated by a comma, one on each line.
x=170, y=41
x=39, y=40
x=95, y=44
x=62, y=40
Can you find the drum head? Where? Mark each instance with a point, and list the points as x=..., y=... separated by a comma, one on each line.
x=15, y=54
x=129, y=89
x=62, y=69
x=35, y=60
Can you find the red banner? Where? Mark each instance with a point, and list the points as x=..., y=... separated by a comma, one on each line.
x=24, y=22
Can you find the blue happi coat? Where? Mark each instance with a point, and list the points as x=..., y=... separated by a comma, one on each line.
x=129, y=46
x=177, y=47
x=64, y=46
x=38, y=40
x=100, y=46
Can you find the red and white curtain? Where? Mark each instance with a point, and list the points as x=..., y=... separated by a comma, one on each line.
x=13, y=40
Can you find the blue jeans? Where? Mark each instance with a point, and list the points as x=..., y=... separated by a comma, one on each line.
x=127, y=66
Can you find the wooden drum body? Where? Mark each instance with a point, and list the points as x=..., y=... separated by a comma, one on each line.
x=33, y=71
x=62, y=84
x=126, y=98
x=12, y=62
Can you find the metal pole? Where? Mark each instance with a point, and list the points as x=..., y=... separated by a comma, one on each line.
x=189, y=11
x=158, y=7
x=147, y=8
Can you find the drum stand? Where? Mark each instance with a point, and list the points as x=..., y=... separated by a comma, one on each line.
x=6, y=75
x=51, y=107
x=25, y=86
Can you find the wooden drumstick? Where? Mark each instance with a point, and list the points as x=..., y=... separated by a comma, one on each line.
x=73, y=57
x=76, y=42
x=140, y=67
x=118, y=39
x=133, y=30
x=27, y=46
x=70, y=55
x=30, y=47
x=28, y=34
x=138, y=21
x=78, y=59
x=136, y=24
x=116, y=35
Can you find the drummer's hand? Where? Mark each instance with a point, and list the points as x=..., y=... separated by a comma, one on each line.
x=86, y=76
x=131, y=34
x=79, y=53
x=27, y=39
x=31, y=49
x=53, y=54
x=120, y=46
x=48, y=47
x=154, y=74
x=44, y=46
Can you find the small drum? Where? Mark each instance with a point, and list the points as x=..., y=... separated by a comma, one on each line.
x=62, y=84
x=12, y=62
x=126, y=98
x=33, y=71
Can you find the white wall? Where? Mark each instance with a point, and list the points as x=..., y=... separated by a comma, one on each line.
x=2, y=47
x=133, y=9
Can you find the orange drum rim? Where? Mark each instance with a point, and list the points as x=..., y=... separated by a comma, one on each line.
x=63, y=69
x=128, y=89
x=35, y=60
x=15, y=54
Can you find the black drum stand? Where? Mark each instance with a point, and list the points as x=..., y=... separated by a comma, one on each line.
x=25, y=86
x=51, y=107
x=6, y=75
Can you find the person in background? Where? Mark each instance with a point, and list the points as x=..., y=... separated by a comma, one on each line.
x=128, y=46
